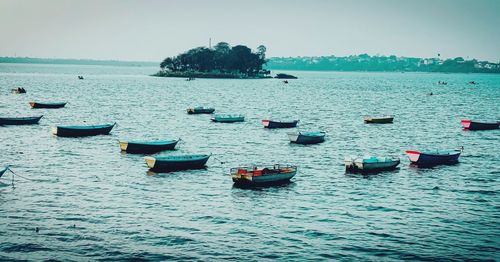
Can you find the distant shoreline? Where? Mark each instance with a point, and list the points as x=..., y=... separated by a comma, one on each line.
x=69, y=61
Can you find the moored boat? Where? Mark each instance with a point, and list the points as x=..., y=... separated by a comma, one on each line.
x=307, y=137
x=433, y=158
x=279, y=124
x=474, y=125
x=179, y=162
x=80, y=131
x=228, y=118
x=263, y=175
x=147, y=147
x=47, y=105
x=370, y=163
x=379, y=119
x=20, y=120
x=200, y=110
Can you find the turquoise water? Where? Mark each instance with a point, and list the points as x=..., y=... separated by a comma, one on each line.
x=90, y=201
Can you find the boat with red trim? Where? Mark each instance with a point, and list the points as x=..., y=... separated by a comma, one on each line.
x=474, y=125
x=434, y=157
x=263, y=175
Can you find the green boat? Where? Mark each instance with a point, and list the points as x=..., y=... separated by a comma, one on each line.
x=228, y=118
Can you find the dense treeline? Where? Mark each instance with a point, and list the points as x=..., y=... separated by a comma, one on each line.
x=222, y=59
x=365, y=62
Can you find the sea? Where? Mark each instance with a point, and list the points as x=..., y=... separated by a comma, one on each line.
x=81, y=199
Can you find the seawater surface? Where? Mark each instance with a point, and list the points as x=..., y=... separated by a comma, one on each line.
x=90, y=201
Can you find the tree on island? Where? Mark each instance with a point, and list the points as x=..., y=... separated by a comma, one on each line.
x=222, y=59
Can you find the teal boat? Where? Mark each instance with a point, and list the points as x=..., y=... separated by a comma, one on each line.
x=307, y=138
x=147, y=147
x=179, y=162
x=228, y=118
x=263, y=175
x=79, y=131
x=20, y=120
x=370, y=163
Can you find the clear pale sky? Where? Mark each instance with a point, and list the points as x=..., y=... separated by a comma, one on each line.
x=150, y=30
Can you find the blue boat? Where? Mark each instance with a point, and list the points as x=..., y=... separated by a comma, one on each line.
x=80, y=131
x=263, y=175
x=433, y=158
x=20, y=120
x=279, y=124
x=147, y=147
x=180, y=162
x=3, y=170
x=47, y=105
x=307, y=137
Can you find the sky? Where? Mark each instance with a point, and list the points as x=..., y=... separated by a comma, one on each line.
x=150, y=30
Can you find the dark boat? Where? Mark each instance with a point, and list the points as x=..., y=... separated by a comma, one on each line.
x=200, y=110
x=279, y=124
x=433, y=158
x=20, y=120
x=3, y=170
x=47, y=105
x=78, y=131
x=307, y=137
x=19, y=90
x=172, y=163
x=263, y=175
x=473, y=125
x=147, y=147
x=379, y=120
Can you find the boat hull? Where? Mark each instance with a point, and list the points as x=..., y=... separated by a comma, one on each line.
x=264, y=180
x=20, y=120
x=228, y=120
x=159, y=165
x=3, y=170
x=305, y=139
x=379, y=120
x=429, y=160
x=194, y=111
x=82, y=131
x=276, y=124
x=145, y=147
x=362, y=167
x=47, y=105
x=471, y=125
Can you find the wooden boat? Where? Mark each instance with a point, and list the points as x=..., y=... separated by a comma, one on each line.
x=433, y=158
x=263, y=175
x=20, y=120
x=370, y=163
x=227, y=118
x=307, y=137
x=379, y=119
x=279, y=124
x=473, y=125
x=180, y=162
x=3, y=170
x=147, y=147
x=79, y=131
x=200, y=110
x=47, y=105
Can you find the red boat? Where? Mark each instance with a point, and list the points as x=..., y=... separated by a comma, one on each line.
x=472, y=125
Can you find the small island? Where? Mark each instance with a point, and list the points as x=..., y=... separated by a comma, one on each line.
x=221, y=61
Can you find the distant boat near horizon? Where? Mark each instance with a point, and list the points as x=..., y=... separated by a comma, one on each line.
x=379, y=119
x=279, y=124
x=82, y=131
x=32, y=120
x=474, y=125
x=47, y=105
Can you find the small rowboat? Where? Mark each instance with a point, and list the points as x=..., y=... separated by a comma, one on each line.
x=20, y=120
x=79, y=131
x=263, y=175
x=279, y=124
x=171, y=163
x=3, y=170
x=473, y=125
x=433, y=158
x=47, y=105
x=200, y=110
x=307, y=137
x=227, y=118
x=379, y=120
x=371, y=163
x=147, y=147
